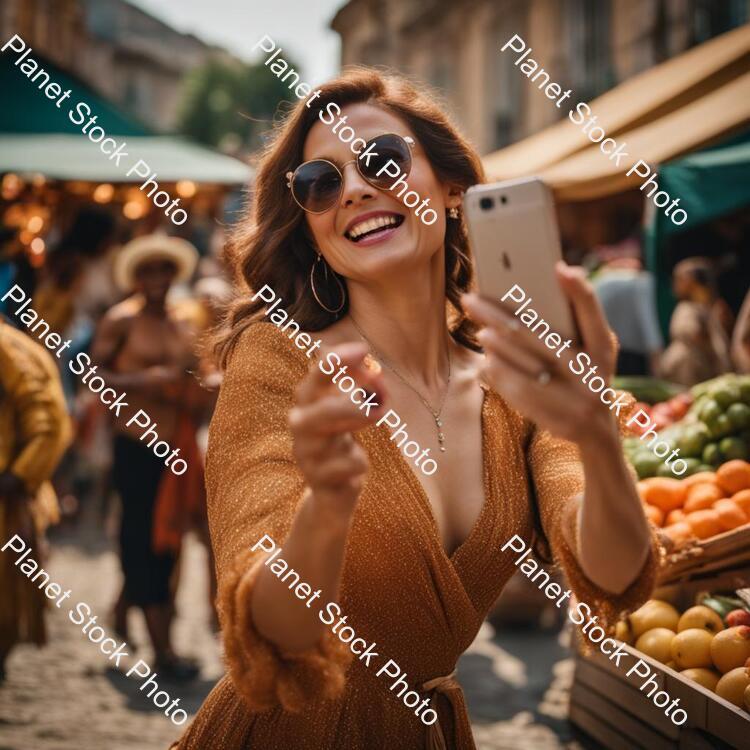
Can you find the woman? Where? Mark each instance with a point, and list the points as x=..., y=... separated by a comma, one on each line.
x=414, y=561
x=699, y=349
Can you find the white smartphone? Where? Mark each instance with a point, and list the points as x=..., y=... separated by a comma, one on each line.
x=515, y=240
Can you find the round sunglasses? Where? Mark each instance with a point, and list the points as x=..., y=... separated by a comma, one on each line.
x=316, y=185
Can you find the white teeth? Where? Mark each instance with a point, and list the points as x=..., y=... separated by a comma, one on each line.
x=370, y=224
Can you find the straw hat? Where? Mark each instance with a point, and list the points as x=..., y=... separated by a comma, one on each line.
x=154, y=247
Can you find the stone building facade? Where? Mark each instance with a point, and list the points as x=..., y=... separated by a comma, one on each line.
x=589, y=45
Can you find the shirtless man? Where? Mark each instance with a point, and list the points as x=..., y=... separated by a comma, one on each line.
x=142, y=349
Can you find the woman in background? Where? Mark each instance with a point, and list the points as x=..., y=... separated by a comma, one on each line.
x=699, y=346
x=414, y=561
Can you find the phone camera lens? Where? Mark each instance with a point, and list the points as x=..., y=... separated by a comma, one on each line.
x=486, y=204
x=503, y=199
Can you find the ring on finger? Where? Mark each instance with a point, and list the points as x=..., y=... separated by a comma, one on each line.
x=544, y=377
x=511, y=324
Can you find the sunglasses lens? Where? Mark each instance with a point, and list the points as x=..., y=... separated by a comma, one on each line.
x=385, y=148
x=316, y=185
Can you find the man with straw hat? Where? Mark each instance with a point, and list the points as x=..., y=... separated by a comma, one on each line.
x=142, y=348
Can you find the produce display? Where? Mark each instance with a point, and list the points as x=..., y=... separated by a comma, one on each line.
x=709, y=643
x=709, y=426
x=701, y=505
x=666, y=413
x=647, y=389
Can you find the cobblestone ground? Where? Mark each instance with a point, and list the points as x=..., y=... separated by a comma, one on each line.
x=64, y=697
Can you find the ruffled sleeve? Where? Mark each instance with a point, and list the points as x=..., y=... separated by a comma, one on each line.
x=558, y=480
x=254, y=488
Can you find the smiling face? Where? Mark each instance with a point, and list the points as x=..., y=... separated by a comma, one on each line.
x=369, y=232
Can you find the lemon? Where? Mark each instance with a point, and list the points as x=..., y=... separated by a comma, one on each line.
x=700, y=617
x=731, y=648
x=656, y=643
x=692, y=648
x=707, y=678
x=732, y=686
x=623, y=632
x=654, y=614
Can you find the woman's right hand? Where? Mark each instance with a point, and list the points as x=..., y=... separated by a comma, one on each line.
x=322, y=422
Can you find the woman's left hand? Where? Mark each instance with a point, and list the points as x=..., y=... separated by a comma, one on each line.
x=533, y=378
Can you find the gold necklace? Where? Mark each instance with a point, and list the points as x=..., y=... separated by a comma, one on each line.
x=434, y=412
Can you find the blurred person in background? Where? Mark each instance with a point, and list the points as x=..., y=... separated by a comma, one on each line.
x=143, y=349
x=77, y=270
x=34, y=433
x=414, y=560
x=628, y=297
x=203, y=311
x=699, y=345
x=741, y=338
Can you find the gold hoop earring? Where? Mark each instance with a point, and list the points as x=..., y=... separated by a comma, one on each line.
x=336, y=278
x=453, y=213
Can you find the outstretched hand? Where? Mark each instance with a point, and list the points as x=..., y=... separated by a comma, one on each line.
x=533, y=378
x=322, y=422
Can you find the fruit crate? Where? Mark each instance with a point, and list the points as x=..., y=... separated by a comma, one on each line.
x=727, y=551
x=607, y=704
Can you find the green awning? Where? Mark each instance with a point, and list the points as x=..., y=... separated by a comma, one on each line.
x=28, y=110
x=75, y=157
x=36, y=136
x=710, y=183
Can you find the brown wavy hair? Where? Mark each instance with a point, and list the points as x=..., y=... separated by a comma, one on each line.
x=272, y=245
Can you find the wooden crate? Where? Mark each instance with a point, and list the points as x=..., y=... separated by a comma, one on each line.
x=727, y=551
x=608, y=705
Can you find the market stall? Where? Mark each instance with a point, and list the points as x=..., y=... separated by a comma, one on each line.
x=691, y=641
x=686, y=118
x=53, y=162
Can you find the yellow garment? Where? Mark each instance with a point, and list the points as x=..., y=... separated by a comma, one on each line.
x=54, y=304
x=34, y=432
x=399, y=588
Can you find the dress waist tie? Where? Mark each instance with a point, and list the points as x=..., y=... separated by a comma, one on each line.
x=443, y=686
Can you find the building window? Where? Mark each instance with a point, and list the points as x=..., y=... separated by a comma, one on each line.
x=589, y=46
x=508, y=97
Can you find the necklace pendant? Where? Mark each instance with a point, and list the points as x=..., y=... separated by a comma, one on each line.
x=441, y=441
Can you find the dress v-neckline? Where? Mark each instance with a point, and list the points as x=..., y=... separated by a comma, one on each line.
x=425, y=500
x=420, y=490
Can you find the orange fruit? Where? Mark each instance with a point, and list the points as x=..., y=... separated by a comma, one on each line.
x=733, y=476
x=679, y=532
x=704, y=523
x=702, y=496
x=742, y=498
x=654, y=514
x=730, y=514
x=701, y=476
x=675, y=516
x=665, y=493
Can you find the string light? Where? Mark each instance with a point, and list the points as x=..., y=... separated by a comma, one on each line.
x=134, y=210
x=104, y=193
x=186, y=188
x=35, y=224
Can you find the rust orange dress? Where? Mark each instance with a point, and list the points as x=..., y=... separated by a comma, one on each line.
x=399, y=587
